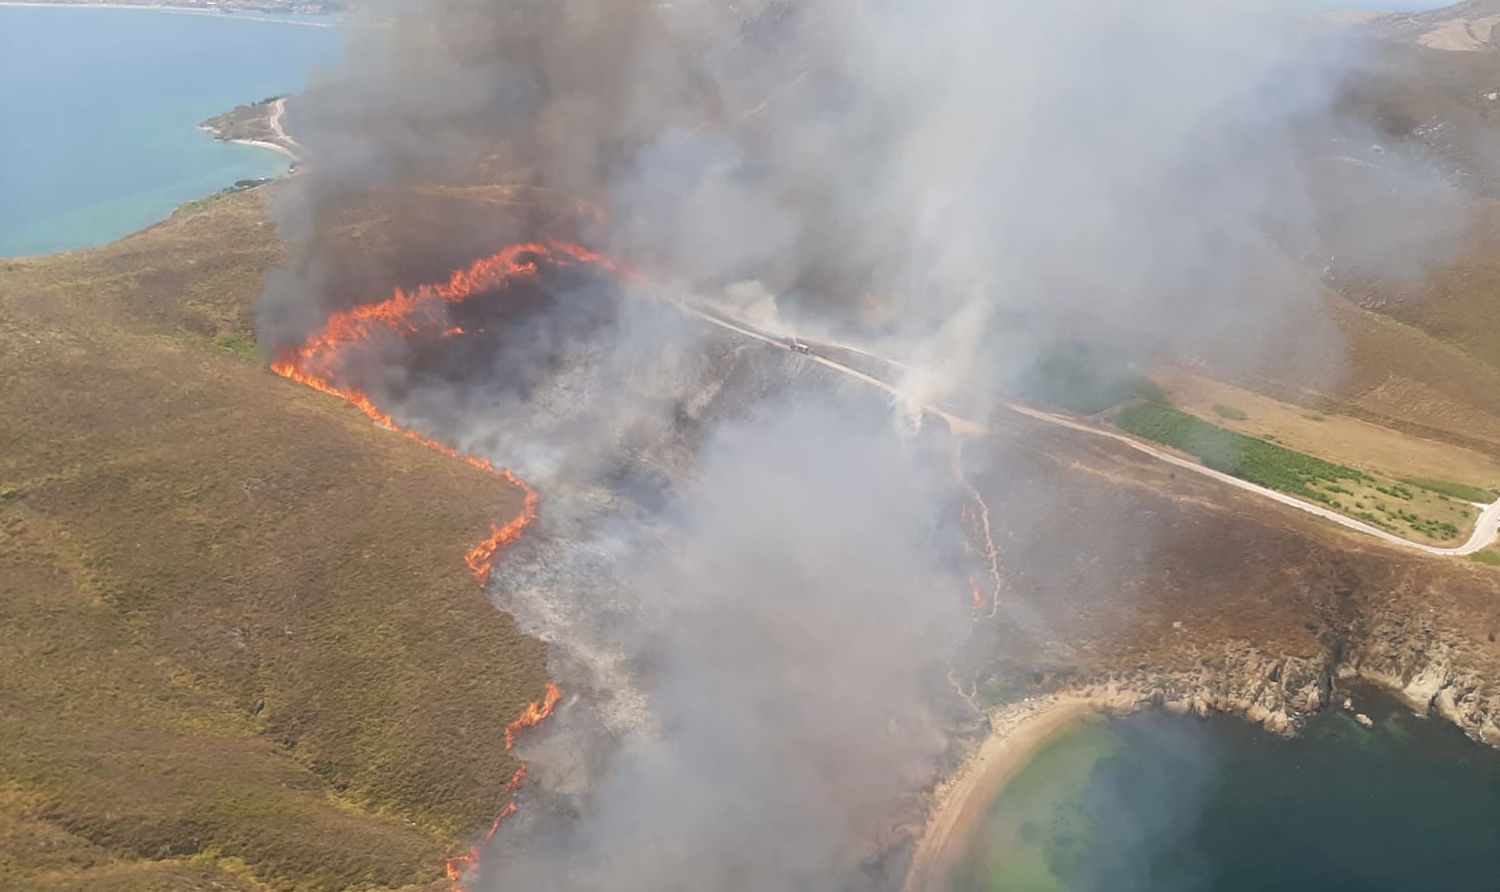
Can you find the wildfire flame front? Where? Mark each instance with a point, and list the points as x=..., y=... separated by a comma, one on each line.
x=317, y=364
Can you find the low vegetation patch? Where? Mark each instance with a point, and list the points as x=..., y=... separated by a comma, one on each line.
x=1229, y=412
x=1455, y=490
x=1487, y=557
x=1418, y=514
x=1224, y=450
x=240, y=345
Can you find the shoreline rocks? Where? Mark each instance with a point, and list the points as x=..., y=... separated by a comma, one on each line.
x=1278, y=692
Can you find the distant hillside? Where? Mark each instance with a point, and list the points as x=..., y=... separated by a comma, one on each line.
x=1463, y=27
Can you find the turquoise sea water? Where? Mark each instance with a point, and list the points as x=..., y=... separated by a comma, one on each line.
x=1172, y=804
x=99, y=111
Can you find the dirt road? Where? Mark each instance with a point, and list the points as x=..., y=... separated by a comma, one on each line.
x=715, y=317
x=1486, y=528
x=278, y=108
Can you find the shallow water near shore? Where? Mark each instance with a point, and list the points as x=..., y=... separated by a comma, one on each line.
x=100, y=111
x=1174, y=804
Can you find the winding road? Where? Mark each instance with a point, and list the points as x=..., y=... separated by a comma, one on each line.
x=1486, y=528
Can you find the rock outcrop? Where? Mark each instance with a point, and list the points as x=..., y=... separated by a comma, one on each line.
x=1433, y=670
x=1269, y=690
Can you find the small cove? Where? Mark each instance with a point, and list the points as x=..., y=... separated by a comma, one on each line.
x=1176, y=804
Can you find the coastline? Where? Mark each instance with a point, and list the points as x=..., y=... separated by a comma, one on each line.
x=259, y=144
x=1263, y=689
x=176, y=167
x=1018, y=732
x=280, y=150
x=179, y=10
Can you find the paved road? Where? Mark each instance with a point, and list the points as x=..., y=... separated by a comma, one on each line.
x=1485, y=529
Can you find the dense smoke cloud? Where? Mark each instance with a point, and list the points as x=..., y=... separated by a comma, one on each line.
x=969, y=163
x=786, y=615
x=748, y=569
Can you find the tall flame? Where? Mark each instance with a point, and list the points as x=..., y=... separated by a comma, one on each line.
x=534, y=715
x=316, y=364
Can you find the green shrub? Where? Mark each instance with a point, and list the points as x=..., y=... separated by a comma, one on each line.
x=240, y=346
x=1229, y=412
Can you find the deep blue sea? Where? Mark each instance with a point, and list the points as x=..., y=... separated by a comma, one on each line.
x=99, y=111
x=1173, y=804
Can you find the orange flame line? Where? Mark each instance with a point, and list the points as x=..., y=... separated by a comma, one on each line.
x=315, y=364
x=462, y=865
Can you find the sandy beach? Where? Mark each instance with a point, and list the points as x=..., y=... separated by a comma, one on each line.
x=265, y=145
x=287, y=147
x=260, y=144
x=964, y=798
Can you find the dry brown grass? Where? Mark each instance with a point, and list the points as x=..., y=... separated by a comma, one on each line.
x=241, y=646
x=1458, y=305
x=1392, y=375
x=1337, y=438
x=1419, y=356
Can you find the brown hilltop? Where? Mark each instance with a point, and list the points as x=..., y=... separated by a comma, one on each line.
x=1463, y=27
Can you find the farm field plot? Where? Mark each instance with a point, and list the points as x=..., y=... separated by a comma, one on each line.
x=1359, y=444
x=1418, y=513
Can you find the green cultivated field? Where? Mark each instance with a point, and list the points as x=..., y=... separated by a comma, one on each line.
x=1428, y=514
x=1258, y=461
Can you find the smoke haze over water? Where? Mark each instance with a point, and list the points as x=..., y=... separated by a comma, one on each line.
x=748, y=566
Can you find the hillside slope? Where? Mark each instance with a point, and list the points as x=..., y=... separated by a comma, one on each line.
x=242, y=649
x=1463, y=27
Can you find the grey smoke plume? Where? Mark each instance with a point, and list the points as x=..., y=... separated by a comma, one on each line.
x=787, y=615
x=747, y=567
